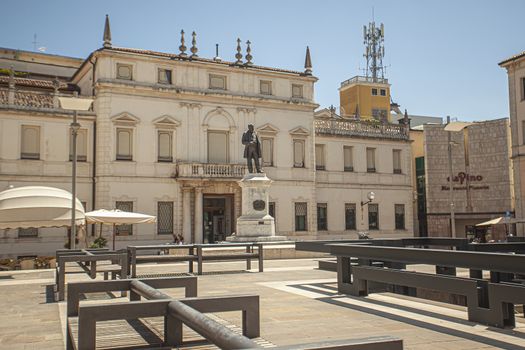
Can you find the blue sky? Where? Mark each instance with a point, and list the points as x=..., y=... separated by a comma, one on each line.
x=441, y=55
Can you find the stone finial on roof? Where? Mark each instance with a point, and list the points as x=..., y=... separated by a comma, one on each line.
x=406, y=121
x=56, y=85
x=238, y=55
x=11, y=83
x=217, y=57
x=182, y=47
x=307, y=63
x=248, y=56
x=194, y=45
x=107, y=33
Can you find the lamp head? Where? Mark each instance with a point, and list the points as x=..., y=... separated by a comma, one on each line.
x=371, y=196
x=74, y=127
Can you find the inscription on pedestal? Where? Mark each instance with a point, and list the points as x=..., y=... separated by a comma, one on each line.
x=259, y=205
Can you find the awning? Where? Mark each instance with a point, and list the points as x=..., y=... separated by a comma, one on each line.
x=501, y=220
x=38, y=206
x=118, y=217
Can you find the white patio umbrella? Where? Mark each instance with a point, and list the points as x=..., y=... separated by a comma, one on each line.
x=117, y=217
x=38, y=206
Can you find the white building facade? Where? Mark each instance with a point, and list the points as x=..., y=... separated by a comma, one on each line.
x=164, y=138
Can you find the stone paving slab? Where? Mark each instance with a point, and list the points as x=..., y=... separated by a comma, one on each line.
x=299, y=304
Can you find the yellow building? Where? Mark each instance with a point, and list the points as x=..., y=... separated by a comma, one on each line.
x=365, y=98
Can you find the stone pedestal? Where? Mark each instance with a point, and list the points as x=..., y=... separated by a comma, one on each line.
x=255, y=224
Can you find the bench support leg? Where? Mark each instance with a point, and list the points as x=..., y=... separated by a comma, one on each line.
x=172, y=331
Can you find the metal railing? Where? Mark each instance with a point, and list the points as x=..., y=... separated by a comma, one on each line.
x=361, y=128
x=210, y=170
x=361, y=79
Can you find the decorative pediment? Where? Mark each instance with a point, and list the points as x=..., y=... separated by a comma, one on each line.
x=166, y=122
x=125, y=118
x=219, y=118
x=267, y=129
x=299, y=131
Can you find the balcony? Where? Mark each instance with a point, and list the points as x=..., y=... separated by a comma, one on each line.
x=213, y=171
x=360, y=79
x=359, y=128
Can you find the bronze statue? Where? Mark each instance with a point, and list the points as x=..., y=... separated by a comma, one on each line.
x=252, y=149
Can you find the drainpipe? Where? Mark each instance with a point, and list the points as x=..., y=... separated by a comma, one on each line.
x=94, y=170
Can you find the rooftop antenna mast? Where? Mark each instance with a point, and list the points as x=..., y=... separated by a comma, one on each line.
x=35, y=43
x=374, y=39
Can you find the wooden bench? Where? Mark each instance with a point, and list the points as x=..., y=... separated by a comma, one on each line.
x=89, y=263
x=196, y=253
x=249, y=254
x=134, y=258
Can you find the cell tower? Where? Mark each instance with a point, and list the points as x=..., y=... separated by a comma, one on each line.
x=374, y=39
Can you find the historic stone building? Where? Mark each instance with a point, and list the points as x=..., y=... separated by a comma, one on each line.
x=164, y=138
x=482, y=178
x=515, y=67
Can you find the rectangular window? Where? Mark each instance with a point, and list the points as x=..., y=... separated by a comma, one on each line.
x=217, y=82
x=217, y=147
x=374, y=92
x=81, y=145
x=298, y=153
x=30, y=142
x=271, y=211
x=350, y=216
x=319, y=157
x=300, y=216
x=322, y=216
x=523, y=131
x=297, y=91
x=522, y=89
x=165, y=146
x=265, y=87
x=267, y=151
x=383, y=92
x=373, y=216
x=31, y=232
x=124, y=144
x=124, y=230
x=396, y=157
x=124, y=71
x=371, y=160
x=348, y=154
x=164, y=76
x=164, y=218
x=400, y=216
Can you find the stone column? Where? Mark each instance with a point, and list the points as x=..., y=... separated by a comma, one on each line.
x=186, y=214
x=198, y=215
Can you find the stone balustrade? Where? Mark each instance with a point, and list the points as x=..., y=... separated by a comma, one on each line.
x=208, y=170
x=359, y=128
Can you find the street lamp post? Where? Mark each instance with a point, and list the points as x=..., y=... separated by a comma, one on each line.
x=76, y=104
x=371, y=196
x=450, y=183
x=449, y=128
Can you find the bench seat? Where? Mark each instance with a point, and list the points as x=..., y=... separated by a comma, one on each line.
x=161, y=258
x=230, y=256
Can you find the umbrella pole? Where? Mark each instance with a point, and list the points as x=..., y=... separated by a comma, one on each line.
x=100, y=231
x=113, y=236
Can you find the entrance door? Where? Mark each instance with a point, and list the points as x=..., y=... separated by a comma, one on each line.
x=217, y=218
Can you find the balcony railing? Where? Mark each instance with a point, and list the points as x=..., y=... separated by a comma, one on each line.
x=359, y=128
x=207, y=170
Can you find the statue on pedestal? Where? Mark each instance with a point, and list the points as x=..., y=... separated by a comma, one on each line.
x=252, y=149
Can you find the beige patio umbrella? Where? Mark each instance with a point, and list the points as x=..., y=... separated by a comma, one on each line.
x=38, y=206
x=117, y=217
